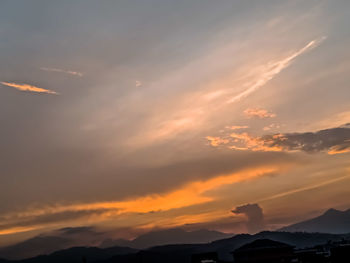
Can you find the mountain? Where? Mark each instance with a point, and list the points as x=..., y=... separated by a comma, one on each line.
x=180, y=252
x=76, y=255
x=172, y=236
x=332, y=221
x=183, y=252
x=88, y=237
x=35, y=246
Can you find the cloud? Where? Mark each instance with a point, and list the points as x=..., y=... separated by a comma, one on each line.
x=306, y=188
x=272, y=126
x=191, y=111
x=255, y=216
x=70, y=72
x=138, y=83
x=190, y=194
x=27, y=87
x=237, y=127
x=274, y=68
x=22, y=222
x=259, y=113
x=216, y=141
x=332, y=141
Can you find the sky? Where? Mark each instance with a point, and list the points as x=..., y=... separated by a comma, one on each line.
x=137, y=115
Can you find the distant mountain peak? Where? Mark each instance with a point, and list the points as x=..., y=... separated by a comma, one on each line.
x=332, y=211
x=332, y=221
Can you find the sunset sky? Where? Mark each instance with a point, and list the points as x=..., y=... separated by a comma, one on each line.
x=134, y=115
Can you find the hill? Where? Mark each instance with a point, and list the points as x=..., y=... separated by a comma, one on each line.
x=169, y=236
x=182, y=252
x=88, y=237
x=332, y=221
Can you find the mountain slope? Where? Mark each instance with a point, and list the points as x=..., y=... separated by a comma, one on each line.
x=76, y=255
x=87, y=237
x=35, y=246
x=224, y=247
x=332, y=221
x=181, y=252
x=169, y=236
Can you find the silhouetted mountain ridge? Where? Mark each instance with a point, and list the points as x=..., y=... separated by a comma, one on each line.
x=35, y=246
x=332, y=221
x=76, y=254
x=181, y=252
x=175, y=236
x=86, y=236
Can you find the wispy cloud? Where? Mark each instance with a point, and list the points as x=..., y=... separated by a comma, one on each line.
x=259, y=113
x=138, y=83
x=272, y=126
x=194, y=109
x=193, y=193
x=237, y=127
x=27, y=87
x=70, y=72
x=273, y=69
x=305, y=188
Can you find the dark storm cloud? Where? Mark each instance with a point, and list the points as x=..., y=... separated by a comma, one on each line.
x=255, y=216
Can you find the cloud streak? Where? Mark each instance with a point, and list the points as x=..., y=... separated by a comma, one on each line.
x=70, y=72
x=305, y=188
x=274, y=68
x=193, y=110
x=193, y=193
x=27, y=87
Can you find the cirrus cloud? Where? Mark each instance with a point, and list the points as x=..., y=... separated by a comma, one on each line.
x=70, y=72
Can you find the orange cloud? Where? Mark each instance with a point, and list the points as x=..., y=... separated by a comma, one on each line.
x=216, y=141
x=333, y=141
x=27, y=87
x=259, y=113
x=339, y=149
x=255, y=143
x=237, y=127
x=190, y=194
x=14, y=230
